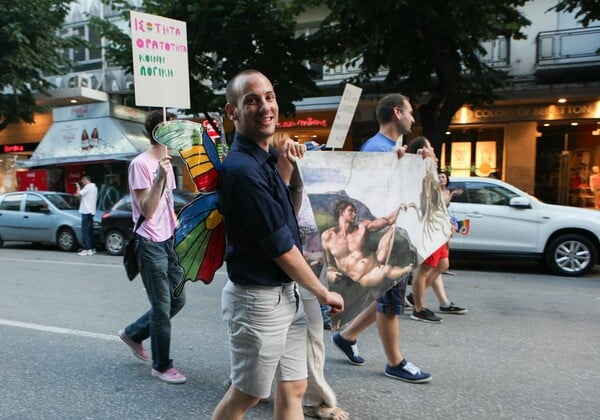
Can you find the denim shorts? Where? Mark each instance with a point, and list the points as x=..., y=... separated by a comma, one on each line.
x=392, y=301
x=267, y=336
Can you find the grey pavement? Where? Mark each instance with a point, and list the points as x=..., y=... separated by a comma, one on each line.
x=528, y=348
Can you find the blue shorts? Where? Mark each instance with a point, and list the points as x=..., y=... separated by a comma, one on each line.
x=392, y=301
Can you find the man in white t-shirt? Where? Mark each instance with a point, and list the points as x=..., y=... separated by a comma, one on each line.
x=87, y=207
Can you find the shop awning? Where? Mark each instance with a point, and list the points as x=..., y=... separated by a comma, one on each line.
x=89, y=140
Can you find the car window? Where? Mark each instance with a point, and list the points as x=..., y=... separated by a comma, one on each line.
x=491, y=194
x=124, y=204
x=72, y=200
x=458, y=198
x=179, y=202
x=59, y=201
x=34, y=204
x=11, y=202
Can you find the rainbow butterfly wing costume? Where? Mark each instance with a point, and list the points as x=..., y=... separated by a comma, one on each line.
x=200, y=236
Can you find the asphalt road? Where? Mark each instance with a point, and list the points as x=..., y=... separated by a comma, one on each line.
x=528, y=348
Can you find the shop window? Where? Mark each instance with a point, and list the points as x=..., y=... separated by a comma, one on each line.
x=473, y=151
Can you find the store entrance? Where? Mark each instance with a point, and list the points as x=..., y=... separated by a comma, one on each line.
x=565, y=157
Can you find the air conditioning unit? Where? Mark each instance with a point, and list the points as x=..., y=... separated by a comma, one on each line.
x=80, y=80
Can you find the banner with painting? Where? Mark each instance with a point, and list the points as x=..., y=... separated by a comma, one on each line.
x=368, y=220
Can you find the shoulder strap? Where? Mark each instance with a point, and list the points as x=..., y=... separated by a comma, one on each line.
x=139, y=223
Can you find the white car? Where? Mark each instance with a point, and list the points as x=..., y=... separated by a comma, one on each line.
x=504, y=221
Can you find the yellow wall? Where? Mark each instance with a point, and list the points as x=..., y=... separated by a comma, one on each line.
x=26, y=133
x=519, y=155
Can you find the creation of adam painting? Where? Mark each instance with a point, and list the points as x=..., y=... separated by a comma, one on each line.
x=367, y=220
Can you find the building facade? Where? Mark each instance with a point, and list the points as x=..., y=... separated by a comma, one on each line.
x=528, y=138
x=543, y=135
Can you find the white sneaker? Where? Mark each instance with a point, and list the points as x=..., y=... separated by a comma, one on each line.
x=85, y=253
x=92, y=251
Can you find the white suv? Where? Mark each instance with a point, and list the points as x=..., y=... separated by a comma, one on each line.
x=507, y=222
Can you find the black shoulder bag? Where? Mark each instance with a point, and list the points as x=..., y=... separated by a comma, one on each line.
x=130, y=253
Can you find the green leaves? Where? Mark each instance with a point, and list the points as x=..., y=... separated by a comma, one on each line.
x=225, y=37
x=431, y=47
x=31, y=48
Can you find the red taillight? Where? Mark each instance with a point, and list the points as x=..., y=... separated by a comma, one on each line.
x=105, y=215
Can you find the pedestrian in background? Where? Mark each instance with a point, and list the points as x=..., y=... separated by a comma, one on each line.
x=319, y=399
x=433, y=266
x=87, y=207
x=151, y=185
x=446, y=306
x=394, y=114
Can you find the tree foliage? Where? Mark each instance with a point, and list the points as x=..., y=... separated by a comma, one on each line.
x=225, y=37
x=31, y=48
x=432, y=51
x=586, y=10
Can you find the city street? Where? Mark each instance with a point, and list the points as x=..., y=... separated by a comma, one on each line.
x=528, y=348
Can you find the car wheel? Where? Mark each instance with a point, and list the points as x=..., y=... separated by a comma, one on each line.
x=114, y=242
x=66, y=240
x=570, y=255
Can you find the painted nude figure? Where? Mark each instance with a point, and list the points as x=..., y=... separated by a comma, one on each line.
x=345, y=253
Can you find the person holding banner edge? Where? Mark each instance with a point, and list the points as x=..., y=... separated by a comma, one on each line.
x=319, y=399
x=260, y=302
x=151, y=181
x=431, y=269
x=394, y=115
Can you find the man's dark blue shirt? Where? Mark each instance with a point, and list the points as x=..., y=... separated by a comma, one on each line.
x=259, y=217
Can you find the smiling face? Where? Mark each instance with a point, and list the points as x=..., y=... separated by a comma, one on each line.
x=253, y=107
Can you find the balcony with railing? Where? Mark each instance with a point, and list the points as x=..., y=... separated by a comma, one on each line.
x=497, y=53
x=328, y=76
x=571, y=53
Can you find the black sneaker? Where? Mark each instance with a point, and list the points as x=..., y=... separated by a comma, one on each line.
x=453, y=309
x=349, y=348
x=409, y=300
x=426, y=315
x=407, y=372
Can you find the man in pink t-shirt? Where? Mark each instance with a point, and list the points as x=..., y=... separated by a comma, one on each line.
x=151, y=184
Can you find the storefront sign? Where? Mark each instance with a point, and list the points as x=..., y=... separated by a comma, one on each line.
x=18, y=148
x=81, y=112
x=527, y=113
x=160, y=61
x=307, y=122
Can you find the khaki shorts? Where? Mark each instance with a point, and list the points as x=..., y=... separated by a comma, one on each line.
x=267, y=336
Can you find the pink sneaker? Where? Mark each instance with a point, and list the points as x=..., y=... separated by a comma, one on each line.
x=137, y=348
x=171, y=376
